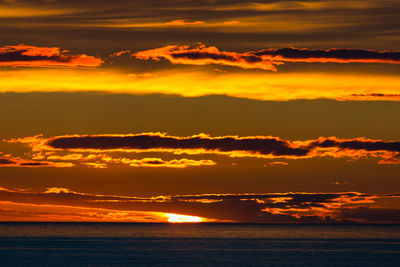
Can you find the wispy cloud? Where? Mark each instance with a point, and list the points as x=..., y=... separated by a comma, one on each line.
x=266, y=59
x=34, y=56
x=43, y=158
x=9, y=161
x=183, y=22
x=202, y=55
x=371, y=96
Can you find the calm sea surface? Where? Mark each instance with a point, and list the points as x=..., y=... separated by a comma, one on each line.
x=122, y=244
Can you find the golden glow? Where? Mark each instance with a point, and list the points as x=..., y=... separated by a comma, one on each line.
x=298, y=5
x=20, y=12
x=271, y=23
x=181, y=22
x=47, y=212
x=128, y=23
x=257, y=85
x=178, y=218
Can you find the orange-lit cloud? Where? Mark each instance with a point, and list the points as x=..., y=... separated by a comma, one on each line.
x=203, y=55
x=10, y=161
x=12, y=211
x=266, y=59
x=94, y=160
x=120, y=53
x=183, y=22
x=234, y=146
x=12, y=9
x=98, y=148
x=150, y=162
x=62, y=204
x=252, y=146
x=293, y=21
x=276, y=163
x=387, y=151
x=34, y=56
x=231, y=22
x=175, y=163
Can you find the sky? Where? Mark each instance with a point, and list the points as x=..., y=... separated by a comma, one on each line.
x=212, y=110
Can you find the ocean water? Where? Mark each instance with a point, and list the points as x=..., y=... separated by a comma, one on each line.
x=205, y=244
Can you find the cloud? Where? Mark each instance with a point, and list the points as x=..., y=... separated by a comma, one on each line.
x=333, y=55
x=121, y=53
x=175, y=163
x=270, y=147
x=250, y=207
x=95, y=160
x=148, y=162
x=276, y=163
x=371, y=96
x=9, y=161
x=231, y=22
x=34, y=56
x=12, y=211
x=183, y=22
x=202, y=55
x=266, y=59
x=302, y=23
x=198, y=144
x=389, y=151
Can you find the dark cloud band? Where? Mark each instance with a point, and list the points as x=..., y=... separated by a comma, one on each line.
x=388, y=152
x=260, y=145
x=247, y=146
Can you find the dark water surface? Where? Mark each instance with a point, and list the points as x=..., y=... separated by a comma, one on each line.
x=122, y=244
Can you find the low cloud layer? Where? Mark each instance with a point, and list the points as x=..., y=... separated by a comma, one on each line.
x=300, y=207
x=34, y=56
x=266, y=59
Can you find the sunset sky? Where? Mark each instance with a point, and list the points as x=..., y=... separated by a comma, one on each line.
x=210, y=110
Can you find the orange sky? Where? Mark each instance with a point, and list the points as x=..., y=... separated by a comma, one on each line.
x=255, y=111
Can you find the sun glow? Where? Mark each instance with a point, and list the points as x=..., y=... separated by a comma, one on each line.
x=178, y=218
x=259, y=85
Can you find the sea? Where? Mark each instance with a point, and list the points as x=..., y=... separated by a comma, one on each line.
x=197, y=244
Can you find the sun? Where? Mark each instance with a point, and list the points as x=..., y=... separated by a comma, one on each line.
x=178, y=218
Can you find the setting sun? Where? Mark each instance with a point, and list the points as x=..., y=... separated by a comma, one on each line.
x=178, y=218
x=210, y=132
